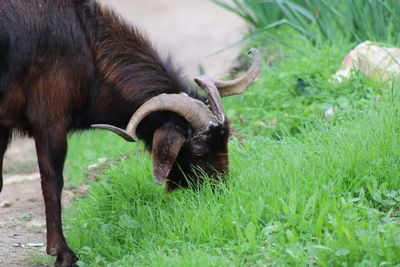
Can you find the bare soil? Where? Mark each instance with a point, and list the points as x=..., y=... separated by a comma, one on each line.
x=189, y=30
x=23, y=221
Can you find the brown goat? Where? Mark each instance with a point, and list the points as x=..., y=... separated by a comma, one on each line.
x=68, y=64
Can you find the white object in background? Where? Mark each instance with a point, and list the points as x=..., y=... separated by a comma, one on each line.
x=376, y=62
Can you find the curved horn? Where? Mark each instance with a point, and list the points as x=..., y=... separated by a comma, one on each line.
x=193, y=110
x=239, y=85
x=213, y=96
x=128, y=137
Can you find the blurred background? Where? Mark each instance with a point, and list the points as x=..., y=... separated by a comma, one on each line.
x=190, y=30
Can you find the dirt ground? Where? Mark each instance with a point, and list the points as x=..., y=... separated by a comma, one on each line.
x=191, y=31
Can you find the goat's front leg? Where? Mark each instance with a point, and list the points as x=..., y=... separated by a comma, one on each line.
x=4, y=140
x=51, y=147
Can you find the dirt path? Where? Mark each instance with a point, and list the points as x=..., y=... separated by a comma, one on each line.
x=190, y=30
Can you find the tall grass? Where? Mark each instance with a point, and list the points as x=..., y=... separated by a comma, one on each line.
x=326, y=196
x=258, y=14
x=377, y=20
x=330, y=199
x=353, y=20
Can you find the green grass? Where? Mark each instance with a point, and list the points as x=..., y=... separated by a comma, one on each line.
x=315, y=20
x=38, y=259
x=332, y=198
x=87, y=148
x=258, y=14
x=304, y=190
x=294, y=90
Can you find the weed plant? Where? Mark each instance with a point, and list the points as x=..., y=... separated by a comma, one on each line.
x=352, y=20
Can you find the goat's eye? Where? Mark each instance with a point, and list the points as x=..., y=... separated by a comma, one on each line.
x=199, y=151
x=199, y=146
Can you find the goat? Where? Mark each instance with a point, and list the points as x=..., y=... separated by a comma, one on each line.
x=69, y=65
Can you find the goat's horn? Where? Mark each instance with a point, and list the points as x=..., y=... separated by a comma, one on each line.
x=116, y=130
x=239, y=85
x=194, y=111
x=213, y=96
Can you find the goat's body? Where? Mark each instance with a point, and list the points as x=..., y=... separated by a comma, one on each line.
x=67, y=64
x=89, y=65
x=44, y=58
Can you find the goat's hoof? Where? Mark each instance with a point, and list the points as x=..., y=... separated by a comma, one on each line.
x=66, y=258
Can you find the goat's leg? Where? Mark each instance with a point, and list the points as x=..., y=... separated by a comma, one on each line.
x=51, y=147
x=4, y=140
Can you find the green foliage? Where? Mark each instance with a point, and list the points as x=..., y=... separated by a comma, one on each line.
x=295, y=90
x=330, y=199
x=303, y=189
x=259, y=14
x=86, y=148
x=308, y=190
x=353, y=20
x=376, y=20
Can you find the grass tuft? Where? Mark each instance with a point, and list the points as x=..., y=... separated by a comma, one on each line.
x=316, y=20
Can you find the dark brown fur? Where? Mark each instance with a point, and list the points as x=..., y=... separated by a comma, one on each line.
x=67, y=64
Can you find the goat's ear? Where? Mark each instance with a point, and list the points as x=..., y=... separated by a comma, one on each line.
x=167, y=142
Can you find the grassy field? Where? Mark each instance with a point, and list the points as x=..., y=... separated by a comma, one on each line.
x=330, y=197
x=304, y=188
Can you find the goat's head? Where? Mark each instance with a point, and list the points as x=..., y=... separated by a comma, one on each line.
x=180, y=159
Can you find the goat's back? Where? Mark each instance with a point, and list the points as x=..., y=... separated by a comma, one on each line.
x=43, y=55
